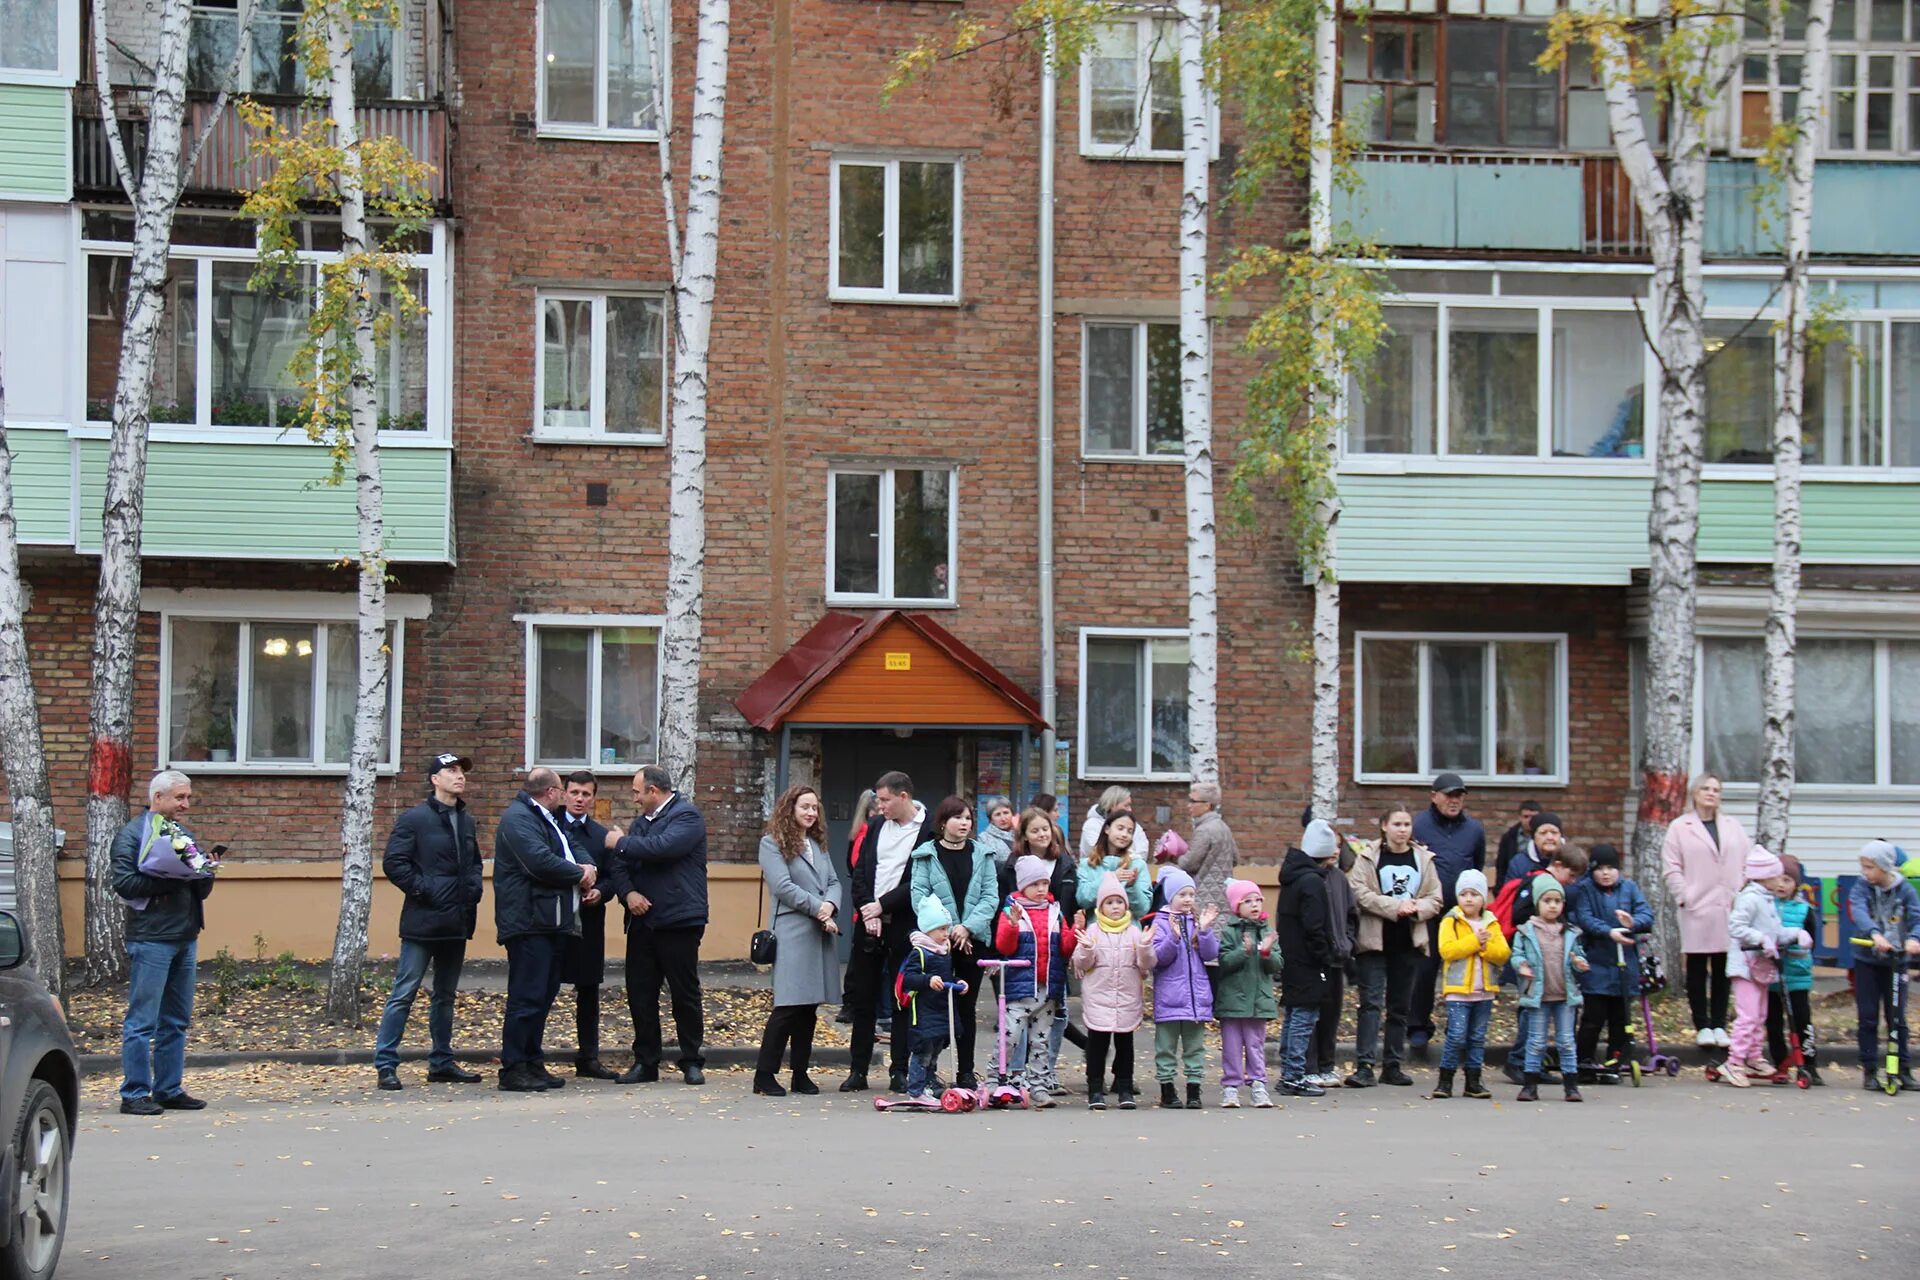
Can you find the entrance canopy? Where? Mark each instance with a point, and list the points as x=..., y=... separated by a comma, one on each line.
x=892, y=670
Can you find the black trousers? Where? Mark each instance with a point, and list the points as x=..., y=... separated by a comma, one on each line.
x=1097, y=1042
x=1597, y=1013
x=1327, y=1030
x=1420, y=1009
x=871, y=968
x=966, y=1028
x=672, y=955
x=533, y=980
x=586, y=1022
x=1708, y=988
x=788, y=1024
x=1801, y=1003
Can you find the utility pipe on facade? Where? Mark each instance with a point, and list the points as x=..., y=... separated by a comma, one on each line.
x=1049, y=692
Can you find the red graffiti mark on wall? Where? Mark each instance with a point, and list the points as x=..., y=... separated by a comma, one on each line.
x=109, y=768
x=1663, y=796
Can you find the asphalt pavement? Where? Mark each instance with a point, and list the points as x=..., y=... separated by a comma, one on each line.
x=313, y=1174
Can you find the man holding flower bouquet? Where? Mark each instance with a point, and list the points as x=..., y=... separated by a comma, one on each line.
x=163, y=875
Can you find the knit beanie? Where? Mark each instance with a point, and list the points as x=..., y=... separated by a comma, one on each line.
x=931, y=914
x=1602, y=855
x=1882, y=854
x=1470, y=881
x=1110, y=887
x=1319, y=841
x=1171, y=847
x=1545, y=886
x=1762, y=865
x=1029, y=869
x=1547, y=820
x=1172, y=881
x=1238, y=891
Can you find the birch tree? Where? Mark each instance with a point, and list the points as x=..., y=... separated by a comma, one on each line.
x=23, y=750
x=154, y=194
x=324, y=160
x=1791, y=155
x=1688, y=67
x=693, y=253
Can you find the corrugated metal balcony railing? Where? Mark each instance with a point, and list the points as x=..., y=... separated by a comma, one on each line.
x=1463, y=200
x=226, y=162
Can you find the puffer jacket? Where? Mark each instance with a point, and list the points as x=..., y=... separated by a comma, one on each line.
x=1181, y=953
x=1591, y=909
x=1242, y=979
x=1113, y=968
x=1468, y=968
x=1017, y=938
x=1753, y=923
x=1796, y=963
x=1089, y=877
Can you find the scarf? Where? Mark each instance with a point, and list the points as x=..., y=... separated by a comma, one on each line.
x=1121, y=925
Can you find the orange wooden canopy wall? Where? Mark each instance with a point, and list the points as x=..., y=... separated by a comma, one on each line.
x=900, y=676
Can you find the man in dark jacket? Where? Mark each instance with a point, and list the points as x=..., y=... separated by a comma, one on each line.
x=883, y=923
x=1458, y=842
x=161, y=941
x=1518, y=839
x=659, y=871
x=585, y=964
x=433, y=857
x=537, y=884
x=1304, y=929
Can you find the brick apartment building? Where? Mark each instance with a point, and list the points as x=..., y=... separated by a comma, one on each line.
x=874, y=494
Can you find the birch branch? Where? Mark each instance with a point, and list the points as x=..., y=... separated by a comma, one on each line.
x=227, y=83
x=109, y=113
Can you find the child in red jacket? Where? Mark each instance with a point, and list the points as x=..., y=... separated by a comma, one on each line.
x=1031, y=926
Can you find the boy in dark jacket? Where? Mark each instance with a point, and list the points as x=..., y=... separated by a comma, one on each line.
x=1886, y=912
x=925, y=975
x=1607, y=909
x=1304, y=926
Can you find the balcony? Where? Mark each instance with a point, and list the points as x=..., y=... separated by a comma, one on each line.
x=1861, y=208
x=226, y=164
x=1543, y=202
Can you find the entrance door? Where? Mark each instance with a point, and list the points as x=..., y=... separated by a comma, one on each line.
x=853, y=758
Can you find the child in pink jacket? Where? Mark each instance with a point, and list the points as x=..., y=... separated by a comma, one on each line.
x=1113, y=960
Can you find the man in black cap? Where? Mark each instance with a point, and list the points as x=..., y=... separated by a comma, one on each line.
x=433, y=857
x=1458, y=842
x=585, y=962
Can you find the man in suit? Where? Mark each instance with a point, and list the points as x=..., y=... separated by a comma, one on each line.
x=537, y=886
x=659, y=872
x=585, y=962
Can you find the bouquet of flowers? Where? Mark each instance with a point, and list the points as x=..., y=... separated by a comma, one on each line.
x=169, y=853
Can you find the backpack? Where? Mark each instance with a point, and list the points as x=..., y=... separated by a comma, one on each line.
x=1503, y=901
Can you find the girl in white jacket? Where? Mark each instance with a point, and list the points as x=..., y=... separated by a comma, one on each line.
x=1755, y=936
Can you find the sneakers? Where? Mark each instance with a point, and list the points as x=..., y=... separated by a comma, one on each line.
x=1735, y=1074
x=1394, y=1075
x=1096, y=1102
x=1040, y=1100
x=140, y=1107
x=1362, y=1078
x=1704, y=1038
x=1759, y=1067
x=1126, y=1099
x=1326, y=1079
x=1302, y=1088
x=1907, y=1084
x=1721, y=1038
x=1869, y=1079
x=1259, y=1091
x=1230, y=1097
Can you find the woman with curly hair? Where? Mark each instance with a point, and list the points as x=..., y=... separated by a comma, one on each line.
x=806, y=961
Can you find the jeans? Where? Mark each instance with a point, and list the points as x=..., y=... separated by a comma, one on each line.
x=153, y=1039
x=1031, y=1022
x=446, y=959
x=671, y=956
x=920, y=1064
x=1553, y=1018
x=1097, y=1042
x=1466, y=1034
x=1180, y=1044
x=1243, y=1057
x=1707, y=988
x=1872, y=993
x=1296, y=1038
x=1388, y=980
x=533, y=980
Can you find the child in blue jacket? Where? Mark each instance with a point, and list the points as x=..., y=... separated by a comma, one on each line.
x=1547, y=958
x=925, y=975
x=1885, y=911
x=1607, y=908
x=1797, y=911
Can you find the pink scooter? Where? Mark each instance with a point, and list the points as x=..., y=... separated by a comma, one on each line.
x=953, y=1100
x=1000, y=1096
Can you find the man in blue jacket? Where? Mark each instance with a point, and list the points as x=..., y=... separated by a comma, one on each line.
x=433, y=857
x=537, y=885
x=659, y=872
x=1458, y=842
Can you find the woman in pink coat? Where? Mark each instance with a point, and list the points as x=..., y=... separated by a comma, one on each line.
x=1704, y=863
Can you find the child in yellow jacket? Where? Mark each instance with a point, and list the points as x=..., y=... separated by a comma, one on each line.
x=1472, y=949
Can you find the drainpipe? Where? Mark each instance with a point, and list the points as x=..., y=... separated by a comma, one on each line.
x=1049, y=692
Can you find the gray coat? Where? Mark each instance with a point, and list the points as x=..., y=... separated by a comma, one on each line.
x=806, y=963
x=1209, y=859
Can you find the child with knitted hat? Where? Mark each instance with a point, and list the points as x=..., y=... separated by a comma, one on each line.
x=925, y=975
x=1183, y=946
x=1547, y=958
x=1243, y=996
x=1754, y=938
x=1472, y=949
x=1886, y=912
x=1113, y=956
x=1607, y=908
x=1031, y=926
x=1794, y=999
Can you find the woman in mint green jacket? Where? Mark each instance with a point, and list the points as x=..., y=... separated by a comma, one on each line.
x=1113, y=852
x=962, y=873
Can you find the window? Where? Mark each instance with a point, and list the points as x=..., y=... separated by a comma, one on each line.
x=1491, y=708
x=267, y=693
x=30, y=37
x=596, y=69
x=1130, y=90
x=1856, y=711
x=271, y=62
x=1860, y=407
x=896, y=231
x=601, y=368
x=1130, y=391
x=1465, y=377
x=1874, y=77
x=226, y=349
x=1133, y=704
x=593, y=691
x=890, y=536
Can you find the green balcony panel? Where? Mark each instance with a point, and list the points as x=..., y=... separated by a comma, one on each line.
x=1592, y=530
x=1400, y=204
x=34, y=129
x=1437, y=204
x=264, y=501
x=1860, y=208
x=42, y=486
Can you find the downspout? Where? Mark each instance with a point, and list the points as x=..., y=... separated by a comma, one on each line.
x=1049, y=691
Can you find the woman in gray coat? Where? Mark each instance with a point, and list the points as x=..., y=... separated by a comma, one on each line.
x=806, y=961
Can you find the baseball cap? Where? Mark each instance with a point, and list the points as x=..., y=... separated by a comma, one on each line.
x=446, y=758
x=1449, y=782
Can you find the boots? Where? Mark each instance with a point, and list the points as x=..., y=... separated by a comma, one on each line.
x=799, y=1056
x=1570, y=1081
x=763, y=1082
x=856, y=1082
x=1444, y=1088
x=1474, y=1089
x=1169, y=1096
x=1530, y=1091
x=1869, y=1079
x=1193, y=1098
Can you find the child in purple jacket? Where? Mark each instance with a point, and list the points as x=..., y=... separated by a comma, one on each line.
x=1183, y=946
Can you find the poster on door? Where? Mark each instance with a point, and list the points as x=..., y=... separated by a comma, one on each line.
x=993, y=777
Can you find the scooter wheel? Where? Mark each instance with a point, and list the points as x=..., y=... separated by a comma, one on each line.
x=1803, y=1082
x=1673, y=1067
x=952, y=1102
x=1636, y=1075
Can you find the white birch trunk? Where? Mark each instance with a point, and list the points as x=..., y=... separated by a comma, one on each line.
x=1326, y=576
x=1196, y=400
x=117, y=595
x=695, y=262
x=1671, y=202
x=1777, y=685
x=23, y=751
x=370, y=701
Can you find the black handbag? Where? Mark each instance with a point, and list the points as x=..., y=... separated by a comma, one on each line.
x=764, y=945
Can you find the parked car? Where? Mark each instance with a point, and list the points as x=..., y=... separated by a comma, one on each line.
x=40, y=1102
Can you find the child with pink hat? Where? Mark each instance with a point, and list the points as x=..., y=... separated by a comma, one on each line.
x=1755, y=936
